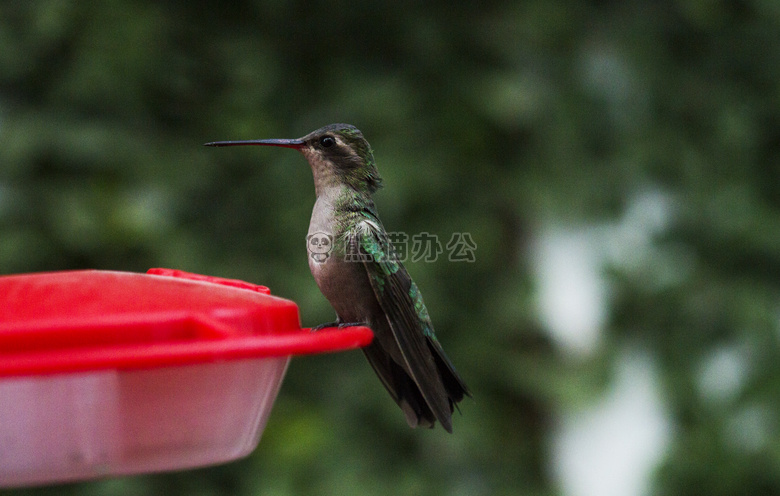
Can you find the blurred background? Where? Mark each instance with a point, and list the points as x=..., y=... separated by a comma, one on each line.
x=615, y=163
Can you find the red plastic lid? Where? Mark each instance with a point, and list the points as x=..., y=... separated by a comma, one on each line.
x=60, y=322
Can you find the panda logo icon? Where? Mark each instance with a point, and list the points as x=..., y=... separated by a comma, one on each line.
x=320, y=245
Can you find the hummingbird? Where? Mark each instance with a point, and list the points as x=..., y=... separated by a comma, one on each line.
x=358, y=272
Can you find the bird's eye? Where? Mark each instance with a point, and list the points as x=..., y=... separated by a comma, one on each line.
x=327, y=141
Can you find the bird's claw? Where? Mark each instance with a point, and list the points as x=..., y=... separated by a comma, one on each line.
x=323, y=326
x=340, y=325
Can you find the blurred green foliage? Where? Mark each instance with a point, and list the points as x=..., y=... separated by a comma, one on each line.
x=494, y=119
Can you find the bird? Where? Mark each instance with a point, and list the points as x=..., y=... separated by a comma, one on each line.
x=355, y=267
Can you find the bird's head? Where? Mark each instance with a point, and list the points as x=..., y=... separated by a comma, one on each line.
x=338, y=154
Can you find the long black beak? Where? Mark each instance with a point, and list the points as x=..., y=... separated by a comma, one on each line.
x=286, y=143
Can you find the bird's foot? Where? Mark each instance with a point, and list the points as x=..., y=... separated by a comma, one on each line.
x=323, y=326
x=340, y=325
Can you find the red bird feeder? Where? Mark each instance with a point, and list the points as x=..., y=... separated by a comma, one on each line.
x=108, y=373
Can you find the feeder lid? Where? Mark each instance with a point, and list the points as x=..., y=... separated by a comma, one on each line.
x=70, y=321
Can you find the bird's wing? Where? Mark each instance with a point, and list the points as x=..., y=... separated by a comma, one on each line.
x=408, y=319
